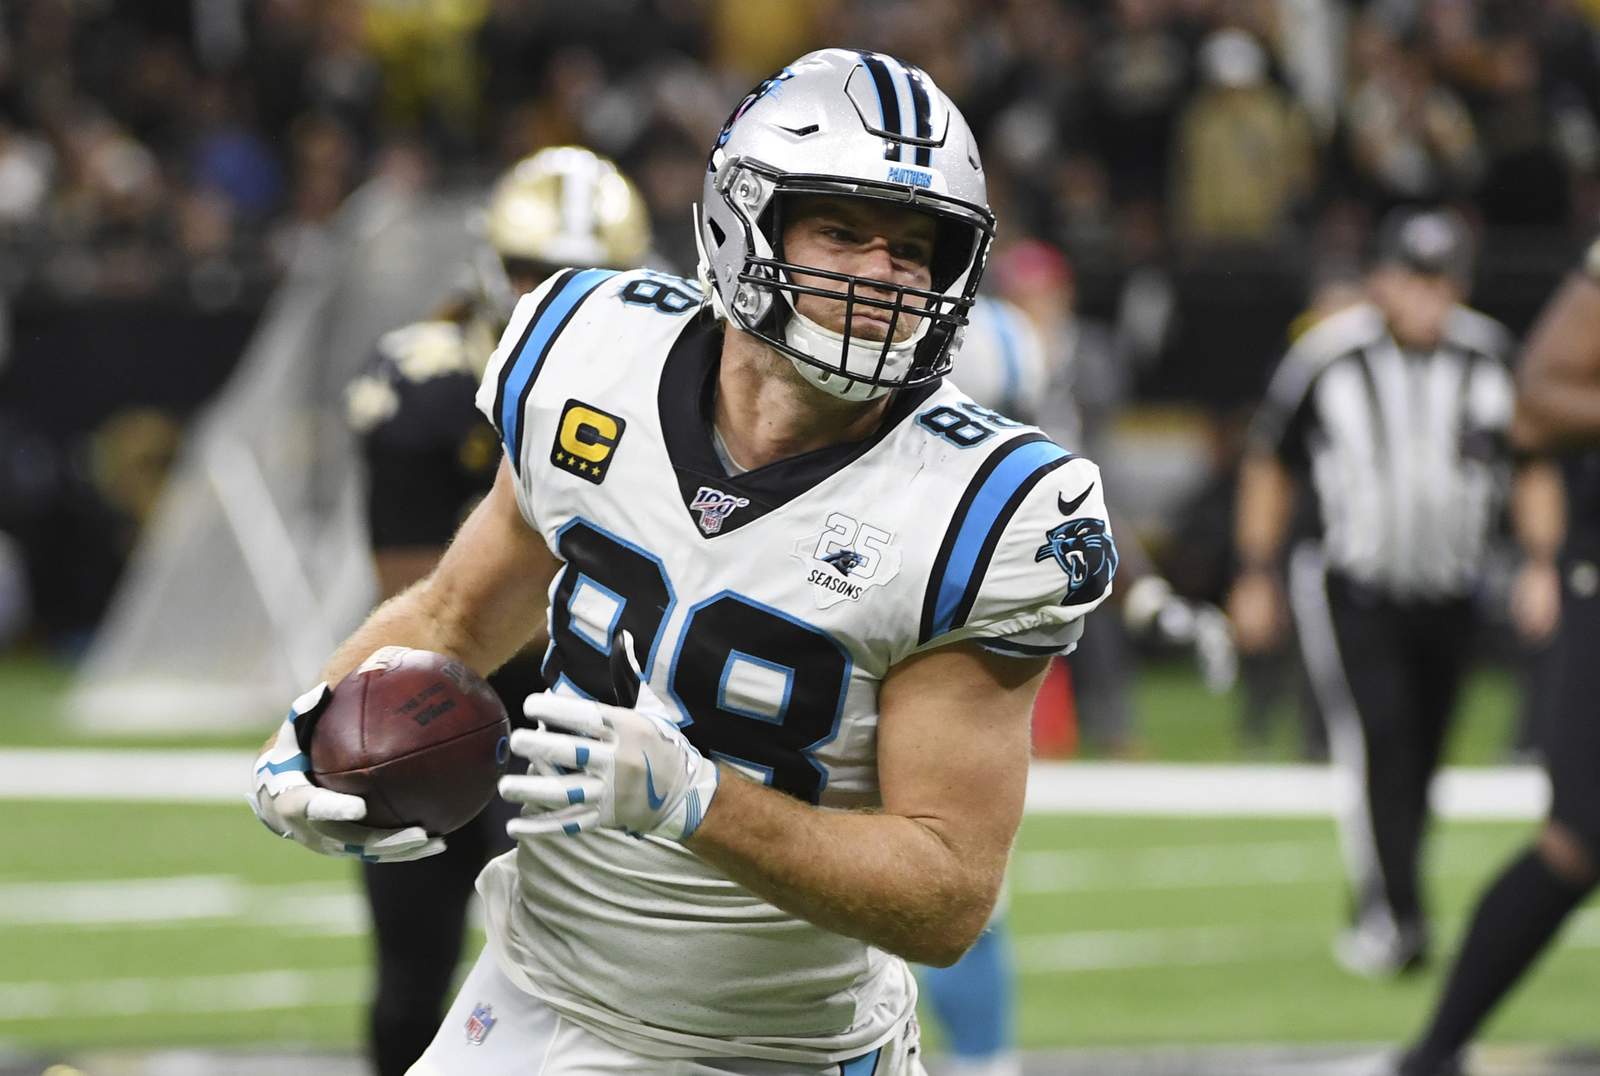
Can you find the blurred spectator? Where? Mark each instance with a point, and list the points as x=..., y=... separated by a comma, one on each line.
x=343, y=78
x=26, y=164
x=1244, y=155
x=228, y=158
x=1141, y=73
x=1411, y=138
x=750, y=39
x=323, y=171
x=430, y=71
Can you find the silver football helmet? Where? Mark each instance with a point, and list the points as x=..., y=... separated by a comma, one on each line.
x=864, y=125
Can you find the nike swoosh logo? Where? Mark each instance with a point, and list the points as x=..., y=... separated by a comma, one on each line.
x=1069, y=507
x=650, y=796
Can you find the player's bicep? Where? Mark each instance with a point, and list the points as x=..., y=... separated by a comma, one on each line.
x=494, y=577
x=953, y=745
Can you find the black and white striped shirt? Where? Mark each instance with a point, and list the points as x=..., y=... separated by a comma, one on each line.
x=1406, y=450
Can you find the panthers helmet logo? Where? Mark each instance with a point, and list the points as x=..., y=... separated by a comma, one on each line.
x=1085, y=552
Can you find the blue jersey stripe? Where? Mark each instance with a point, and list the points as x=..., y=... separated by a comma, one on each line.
x=524, y=366
x=865, y=1065
x=986, y=513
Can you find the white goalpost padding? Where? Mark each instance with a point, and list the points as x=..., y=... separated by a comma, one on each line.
x=256, y=564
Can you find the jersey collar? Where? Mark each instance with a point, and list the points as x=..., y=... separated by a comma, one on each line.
x=686, y=400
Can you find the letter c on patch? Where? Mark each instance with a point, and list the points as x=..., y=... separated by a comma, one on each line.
x=588, y=434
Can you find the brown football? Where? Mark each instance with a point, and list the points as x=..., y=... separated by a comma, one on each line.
x=418, y=735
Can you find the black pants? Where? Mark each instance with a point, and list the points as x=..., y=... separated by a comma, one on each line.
x=419, y=914
x=1387, y=674
x=1570, y=738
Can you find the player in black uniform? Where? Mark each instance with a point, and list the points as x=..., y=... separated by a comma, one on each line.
x=430, y=457
x=1558, y=413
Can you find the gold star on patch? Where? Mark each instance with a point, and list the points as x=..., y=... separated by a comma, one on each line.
x=583, y=466
x=560, y=458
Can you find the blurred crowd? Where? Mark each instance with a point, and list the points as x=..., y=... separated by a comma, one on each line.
x=193, y=144
x=1190, y=174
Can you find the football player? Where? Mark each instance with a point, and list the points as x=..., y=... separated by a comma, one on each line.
x=799, y=590
x=430, y=457
x=1522, y=910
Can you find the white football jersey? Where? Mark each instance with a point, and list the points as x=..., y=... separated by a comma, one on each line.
x=767, y=608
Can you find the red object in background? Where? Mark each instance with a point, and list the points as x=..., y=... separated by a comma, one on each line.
x=1055, y=714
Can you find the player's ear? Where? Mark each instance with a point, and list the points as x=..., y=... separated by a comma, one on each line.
x=625, y=674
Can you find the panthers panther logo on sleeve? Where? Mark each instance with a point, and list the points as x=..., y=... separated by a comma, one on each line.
x=1085, y=552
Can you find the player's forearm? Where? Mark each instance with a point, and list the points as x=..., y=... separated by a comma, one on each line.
x=417, y=618
x=894, y=882
x=1539, y=510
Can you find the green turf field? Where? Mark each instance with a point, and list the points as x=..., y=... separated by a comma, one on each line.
x=188, y=925
x=145, y=925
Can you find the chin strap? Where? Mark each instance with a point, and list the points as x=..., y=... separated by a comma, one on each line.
x=805, y=335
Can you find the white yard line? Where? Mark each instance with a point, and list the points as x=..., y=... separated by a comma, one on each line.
x=1084, y=788
x=182, y=901
x=1275, y=791
x=1154, y=947
x=125, y=776
x=1218, y=865
x=1195, y=866
x=245, y=992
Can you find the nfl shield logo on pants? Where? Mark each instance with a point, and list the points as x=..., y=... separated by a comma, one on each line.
x=480, y=1023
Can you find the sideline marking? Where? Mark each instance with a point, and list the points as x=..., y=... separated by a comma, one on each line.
x=246, y=992
x=144, y=775
x=181, y=901
x=1155, y=947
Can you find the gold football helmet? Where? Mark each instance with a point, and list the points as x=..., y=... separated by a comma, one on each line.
x=563, y=206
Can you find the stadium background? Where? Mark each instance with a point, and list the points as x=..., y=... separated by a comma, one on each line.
x=168, y=170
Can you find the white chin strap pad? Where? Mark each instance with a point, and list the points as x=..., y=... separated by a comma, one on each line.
x=824, y=345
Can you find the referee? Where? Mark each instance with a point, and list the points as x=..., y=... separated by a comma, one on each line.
x=1520, y=912
x=1394, y=411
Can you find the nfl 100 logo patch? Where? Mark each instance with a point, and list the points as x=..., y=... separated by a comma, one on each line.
x=480, y=1023
x=715, y=507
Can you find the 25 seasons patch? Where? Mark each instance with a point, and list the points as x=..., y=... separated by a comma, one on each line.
x=847, y=558
x=586, y=438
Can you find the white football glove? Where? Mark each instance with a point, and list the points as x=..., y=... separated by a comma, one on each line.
x=1151, y=609
x=321, y=819
x=607, y=766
